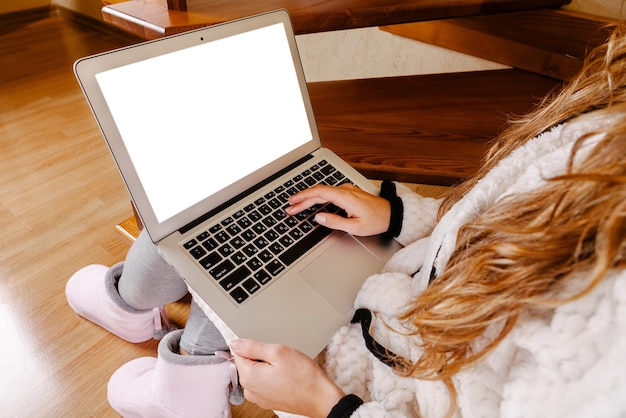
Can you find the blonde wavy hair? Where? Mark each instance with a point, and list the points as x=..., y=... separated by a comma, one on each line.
x=521, y=253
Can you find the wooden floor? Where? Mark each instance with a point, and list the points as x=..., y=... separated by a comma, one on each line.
x=60, y=198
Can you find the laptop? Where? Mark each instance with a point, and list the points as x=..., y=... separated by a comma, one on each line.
x=212, y=130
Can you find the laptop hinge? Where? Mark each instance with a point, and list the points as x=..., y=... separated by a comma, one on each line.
x=243, y=194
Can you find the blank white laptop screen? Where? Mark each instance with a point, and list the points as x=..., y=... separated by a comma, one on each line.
x=234, y=108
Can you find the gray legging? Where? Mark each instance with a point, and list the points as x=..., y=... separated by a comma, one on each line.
x=147, y=281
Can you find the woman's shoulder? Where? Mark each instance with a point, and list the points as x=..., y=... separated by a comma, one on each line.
x=571, y=361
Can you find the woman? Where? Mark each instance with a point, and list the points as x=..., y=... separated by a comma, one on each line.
x=518, y=306
x=509, y=298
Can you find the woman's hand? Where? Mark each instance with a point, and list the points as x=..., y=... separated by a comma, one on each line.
x=367, y=214
x=281, y=378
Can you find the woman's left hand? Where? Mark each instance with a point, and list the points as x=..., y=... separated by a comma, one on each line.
x=281, y=378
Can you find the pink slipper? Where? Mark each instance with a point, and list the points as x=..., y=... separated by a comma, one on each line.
x=91, y=292
x=173, y=385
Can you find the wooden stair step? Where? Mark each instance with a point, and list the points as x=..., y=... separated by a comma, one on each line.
x=152, y=19
x=548, y=42
x=430, y=129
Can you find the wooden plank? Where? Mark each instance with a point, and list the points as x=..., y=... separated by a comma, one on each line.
x=547, y=42
x=149, y=20
x=431, y=129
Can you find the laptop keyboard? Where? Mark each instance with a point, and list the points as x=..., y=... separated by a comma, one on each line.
x=248, y=249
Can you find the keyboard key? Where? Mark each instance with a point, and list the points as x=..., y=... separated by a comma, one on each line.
x=265, y=256
x=279, y=215
x=251, y=285
x=222, y=237
x=261, y=242
x=250, y=250
x=262, y=277
x=237, y=242
x=265, y=209
x=275, y=267
x=276, y=248
x=254, y=264
x=210, y=244
x=190, y=244
x=274, y=203
x=239, y=295
x=248, y=235
x=281, y=228
x=197, y=252
x=235, y=278
x=210, y=260
x=328, y=169
x=296, y=234
x=259, y=228
x=226, y=250
x=286, y=241
x=238, y=257
x=233, y=229
x=254, y=216
x=291, y=222
x=244, y=222
x=269, y=221
x=270, y=235
x=222, y=269
x=305, y=227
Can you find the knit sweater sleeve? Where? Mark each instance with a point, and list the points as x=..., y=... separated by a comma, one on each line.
x=419, y=216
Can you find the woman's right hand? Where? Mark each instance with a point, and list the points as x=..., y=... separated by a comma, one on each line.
x=367, y=214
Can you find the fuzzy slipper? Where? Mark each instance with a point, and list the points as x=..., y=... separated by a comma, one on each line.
x=92, y=293
x=173, y=385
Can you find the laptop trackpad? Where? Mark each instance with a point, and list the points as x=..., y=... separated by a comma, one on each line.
x=340, y=271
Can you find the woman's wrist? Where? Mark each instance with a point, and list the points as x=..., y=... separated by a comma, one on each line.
x=332, y=395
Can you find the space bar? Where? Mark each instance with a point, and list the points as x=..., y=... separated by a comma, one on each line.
x=305, y=244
